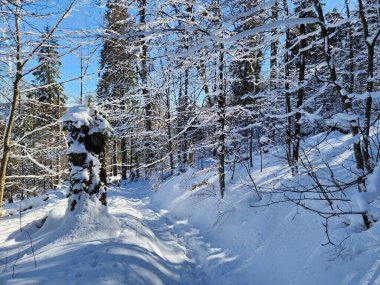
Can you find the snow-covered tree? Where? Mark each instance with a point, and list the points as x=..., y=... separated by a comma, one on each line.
x=87, y=133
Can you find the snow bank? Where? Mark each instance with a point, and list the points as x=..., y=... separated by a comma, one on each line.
x=280, y=244
x=26, y=204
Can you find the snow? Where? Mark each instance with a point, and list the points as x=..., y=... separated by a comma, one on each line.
x=363, y=199
x=345, y=117
x=374, y=183
x=264, y=140
x=80, y=114
x=85, y=116
x=81, y=122
x=183, y=233
x=26, y=204
x=241, y=35
x=131, y=245
x=76, y=147
x=280, y=244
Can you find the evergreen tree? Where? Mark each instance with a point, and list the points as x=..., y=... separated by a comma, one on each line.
x=45, y=106
x=116, y=77
x=46, y=76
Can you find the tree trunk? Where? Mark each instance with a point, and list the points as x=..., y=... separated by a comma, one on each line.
x=347, y=105
x=370, y=43
x=124, y=157
x=250, y=147
x=114, y=158
x=13, y=111
x=273, y=51
x=149, y=155
x=169, y=131
x=273, y=64
x=185, y=110
x=288, y=130
x=87, y=162
x=300, y=95
x=221, y=111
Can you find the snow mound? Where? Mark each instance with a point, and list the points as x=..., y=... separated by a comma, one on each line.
x=91, y=222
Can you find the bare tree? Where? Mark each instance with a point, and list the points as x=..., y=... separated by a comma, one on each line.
x=17, y=12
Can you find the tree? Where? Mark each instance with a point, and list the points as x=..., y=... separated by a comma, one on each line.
x=117, y=75
x=17, y=11
x=48, y=98
x=47, y=73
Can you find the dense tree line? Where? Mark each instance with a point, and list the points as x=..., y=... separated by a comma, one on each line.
x=206, y=84
x=211, y=82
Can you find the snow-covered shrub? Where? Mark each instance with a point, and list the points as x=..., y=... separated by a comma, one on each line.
x=87, y=132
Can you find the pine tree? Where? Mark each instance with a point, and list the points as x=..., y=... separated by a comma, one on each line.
x=47, y=74
x=45, y=105
x=116, y=78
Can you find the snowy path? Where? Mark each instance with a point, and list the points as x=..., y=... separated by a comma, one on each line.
x=147, y=249
x=165, y=257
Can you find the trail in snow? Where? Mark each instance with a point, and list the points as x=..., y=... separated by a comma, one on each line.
x=148, y=249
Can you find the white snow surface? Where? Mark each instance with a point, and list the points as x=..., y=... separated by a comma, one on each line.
x=183, y=233
x=132, y=244
x=80, y=114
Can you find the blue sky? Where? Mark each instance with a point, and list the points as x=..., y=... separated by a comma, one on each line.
x=86, y=17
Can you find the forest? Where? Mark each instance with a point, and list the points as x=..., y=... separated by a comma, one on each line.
x=189, y=142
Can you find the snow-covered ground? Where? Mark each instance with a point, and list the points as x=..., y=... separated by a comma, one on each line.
x=280, y=244
x=140, y=246
x=182, y=233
